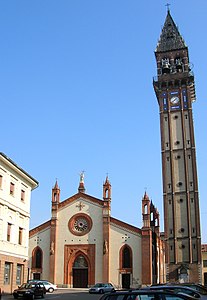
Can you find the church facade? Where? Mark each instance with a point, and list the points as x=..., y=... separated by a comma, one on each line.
x=83, y=244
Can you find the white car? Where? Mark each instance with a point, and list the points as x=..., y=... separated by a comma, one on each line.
x=101, y=288
x=50, y=287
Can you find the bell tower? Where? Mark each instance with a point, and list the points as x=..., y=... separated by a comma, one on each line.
x=175, y=91
x=106, y=228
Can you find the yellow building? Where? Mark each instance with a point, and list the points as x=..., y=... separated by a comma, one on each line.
x=15, y=192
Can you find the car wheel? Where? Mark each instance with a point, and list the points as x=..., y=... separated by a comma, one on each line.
x=42, y=296
x=101, y=291
x=15, y=296
x=32, y=296
x=50, y=290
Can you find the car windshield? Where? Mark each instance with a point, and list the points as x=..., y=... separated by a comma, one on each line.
x=198, y=288
x=99, y=285
x=26, y=286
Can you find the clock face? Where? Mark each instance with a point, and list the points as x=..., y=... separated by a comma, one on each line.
x=174, y=100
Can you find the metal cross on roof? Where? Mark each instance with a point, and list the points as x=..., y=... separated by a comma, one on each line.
x=168, y=6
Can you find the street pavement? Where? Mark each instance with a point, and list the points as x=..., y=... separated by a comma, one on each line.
x=64, y=294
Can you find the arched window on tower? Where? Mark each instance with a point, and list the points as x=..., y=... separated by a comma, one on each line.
x=145, y=209
x=151, y=216
x=55, y=197
x=106, y=193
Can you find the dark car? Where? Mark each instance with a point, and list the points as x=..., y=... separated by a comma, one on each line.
x=101, y=288
x=178, y=289
x=198, y=287
x=30, y=290
x=145, y=295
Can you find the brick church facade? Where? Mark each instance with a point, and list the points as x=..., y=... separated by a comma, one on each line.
x=83, y=244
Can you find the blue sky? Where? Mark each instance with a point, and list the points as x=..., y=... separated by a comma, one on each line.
x=76, y=94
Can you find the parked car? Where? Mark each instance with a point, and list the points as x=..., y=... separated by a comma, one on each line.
x=50, y=287
x=101, y=288
x=179, y=288
x=146, y=294
x=198, y=287
x=30, y=290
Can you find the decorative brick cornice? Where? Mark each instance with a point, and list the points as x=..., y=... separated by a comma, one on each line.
x=39, y=228
x=125, y=225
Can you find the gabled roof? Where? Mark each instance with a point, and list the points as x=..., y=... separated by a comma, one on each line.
x=39, y=228
x=80, y=195
x=94, y=200
x=170, y=38
x=125, y=225
x=63, y=204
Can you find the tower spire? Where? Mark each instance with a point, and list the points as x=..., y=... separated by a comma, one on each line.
x=170, y=38
x=107, y=189
x=56, y=193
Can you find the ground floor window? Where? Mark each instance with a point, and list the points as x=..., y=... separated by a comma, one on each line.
x=204, y=263
x=7, y=273
x=19, y=275
x=205, y=279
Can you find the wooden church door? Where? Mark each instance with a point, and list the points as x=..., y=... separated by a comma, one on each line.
x=80, y=272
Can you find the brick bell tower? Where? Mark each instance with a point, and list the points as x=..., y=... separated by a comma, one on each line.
x=53, y=230
x=175, y=91
x=106, y=228
x=151, y=262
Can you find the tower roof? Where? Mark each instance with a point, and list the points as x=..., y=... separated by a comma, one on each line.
x=145, y=197
x=170, y=38
x=56, y=185
x=107, y=182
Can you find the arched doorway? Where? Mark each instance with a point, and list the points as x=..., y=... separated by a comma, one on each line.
x=80, y=272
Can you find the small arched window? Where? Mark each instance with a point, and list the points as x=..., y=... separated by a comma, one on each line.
x=37, y=258
x=156, y=222
x=151, y=216
x=145, y=209
x=106, y=193
x=126, y=258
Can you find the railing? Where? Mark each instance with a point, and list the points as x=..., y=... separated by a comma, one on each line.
x=174, y=75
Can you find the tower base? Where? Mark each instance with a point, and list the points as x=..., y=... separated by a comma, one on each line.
x=181, y=273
